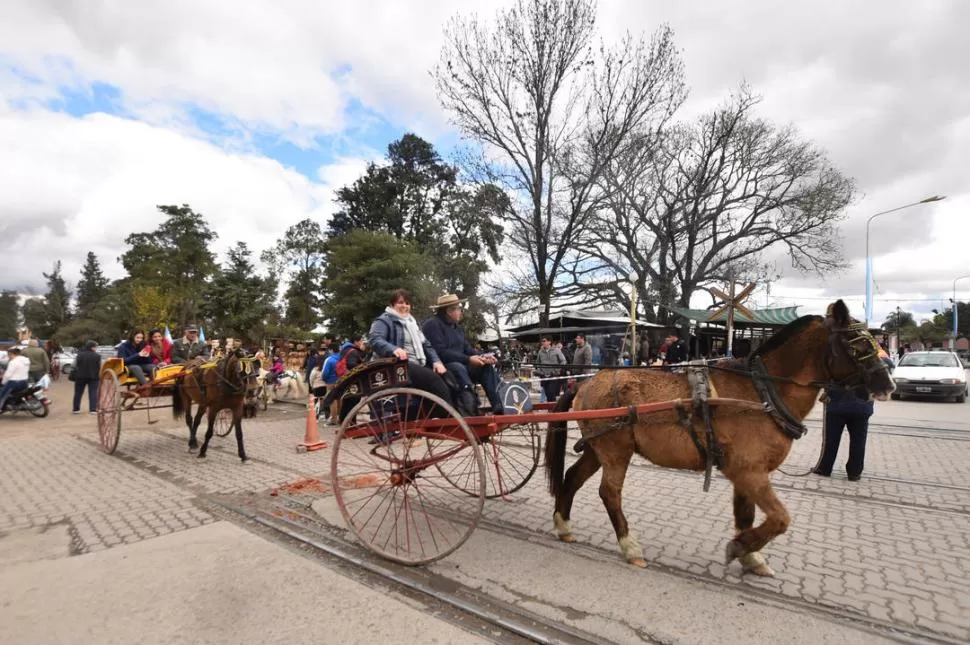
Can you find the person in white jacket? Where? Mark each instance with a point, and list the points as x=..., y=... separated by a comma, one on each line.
x=16, y=375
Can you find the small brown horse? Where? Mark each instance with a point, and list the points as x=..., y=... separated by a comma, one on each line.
x=222, y=386
x=791, y=367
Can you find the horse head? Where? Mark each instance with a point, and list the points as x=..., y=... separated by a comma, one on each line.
x=853, y=358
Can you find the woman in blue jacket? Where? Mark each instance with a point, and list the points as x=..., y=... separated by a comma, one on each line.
x=396, y=333
x=138, y=356
x=844, y=409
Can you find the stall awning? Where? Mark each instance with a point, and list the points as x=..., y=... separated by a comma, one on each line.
x=775, y=317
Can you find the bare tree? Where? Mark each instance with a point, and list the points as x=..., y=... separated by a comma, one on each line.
x=549, y=112
x=705, y=202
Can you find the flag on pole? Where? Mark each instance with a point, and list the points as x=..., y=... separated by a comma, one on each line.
x=201, y=334
x=868, y=290
x=168, y=334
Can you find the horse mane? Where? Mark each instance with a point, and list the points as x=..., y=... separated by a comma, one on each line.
x=786, y=333
x=775, y=341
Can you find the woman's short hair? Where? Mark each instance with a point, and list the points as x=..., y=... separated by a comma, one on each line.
x=398, y=295
x=152, y=332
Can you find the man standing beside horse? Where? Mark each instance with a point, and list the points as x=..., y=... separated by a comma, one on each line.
x=463, y=361
x=189, y=349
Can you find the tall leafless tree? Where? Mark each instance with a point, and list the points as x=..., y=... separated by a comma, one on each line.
x=549, y=110
x=707, y=201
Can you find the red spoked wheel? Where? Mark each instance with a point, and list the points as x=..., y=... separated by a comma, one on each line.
x=109, y=411
x=386, y=479
x=511, y=458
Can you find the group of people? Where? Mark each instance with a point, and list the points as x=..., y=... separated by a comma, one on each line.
x=440, y=358
x=145, y=353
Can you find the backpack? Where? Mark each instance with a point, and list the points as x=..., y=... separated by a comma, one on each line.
x=341, y=366
x=329, y=369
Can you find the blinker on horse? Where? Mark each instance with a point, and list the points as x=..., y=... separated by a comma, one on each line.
x=775, y=391
x=213, y=388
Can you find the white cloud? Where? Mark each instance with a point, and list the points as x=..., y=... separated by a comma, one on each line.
x=287, y=67
x=73, y=185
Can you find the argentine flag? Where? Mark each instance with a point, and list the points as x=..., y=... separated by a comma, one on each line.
x=201, y=334
x=168, y=334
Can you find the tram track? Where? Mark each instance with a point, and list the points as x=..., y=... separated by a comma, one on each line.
x=304, y=527
x=484, y=615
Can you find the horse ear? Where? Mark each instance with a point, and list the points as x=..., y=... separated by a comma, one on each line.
x=840, y=313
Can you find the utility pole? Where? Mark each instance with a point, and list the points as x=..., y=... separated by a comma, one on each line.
x=899, y=338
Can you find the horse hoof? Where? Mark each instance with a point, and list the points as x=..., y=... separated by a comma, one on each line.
x=755, y=563
x=246, y=462
x=733, y=550
x=568, y=538
x=201, y=456
x=638, y=562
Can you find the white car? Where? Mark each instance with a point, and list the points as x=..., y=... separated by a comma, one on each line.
x=66, y=362
x=938, y=374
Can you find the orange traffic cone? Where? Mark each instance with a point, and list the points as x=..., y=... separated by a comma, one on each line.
x=311, y=440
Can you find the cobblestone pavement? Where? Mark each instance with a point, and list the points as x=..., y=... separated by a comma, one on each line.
x=893, y=548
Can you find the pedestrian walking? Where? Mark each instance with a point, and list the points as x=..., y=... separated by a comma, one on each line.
x=86, y=372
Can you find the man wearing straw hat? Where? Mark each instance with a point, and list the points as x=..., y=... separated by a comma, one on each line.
x=467, y=365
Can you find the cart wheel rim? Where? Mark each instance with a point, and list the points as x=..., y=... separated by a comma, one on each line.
x=511, y=458
x=389, y=493
x=223, y=422
x=109, y=412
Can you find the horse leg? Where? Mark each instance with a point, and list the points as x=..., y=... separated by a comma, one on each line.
x=208, y=432
x=194, y=424
x=751, y=490
x=237, y=422
x=576, y=476
x=611, y=489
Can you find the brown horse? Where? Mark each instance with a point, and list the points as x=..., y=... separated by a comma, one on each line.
x=784, y=376
x=215, y=388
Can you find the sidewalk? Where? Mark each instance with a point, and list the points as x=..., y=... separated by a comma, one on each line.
x=213, y=584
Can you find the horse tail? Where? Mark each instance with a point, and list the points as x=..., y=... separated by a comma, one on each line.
x=178, y=405
x=556, y=445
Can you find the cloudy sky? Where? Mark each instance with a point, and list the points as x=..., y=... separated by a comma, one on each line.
x=255, y=112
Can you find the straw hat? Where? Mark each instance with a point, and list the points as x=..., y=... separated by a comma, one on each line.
x=448, y=301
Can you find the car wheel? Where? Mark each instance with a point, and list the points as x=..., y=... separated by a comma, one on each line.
x=894, y=396
x=962, y=397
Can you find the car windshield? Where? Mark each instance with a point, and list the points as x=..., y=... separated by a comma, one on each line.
x=929, y=359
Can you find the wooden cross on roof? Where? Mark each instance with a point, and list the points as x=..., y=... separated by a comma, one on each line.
x=731, y=302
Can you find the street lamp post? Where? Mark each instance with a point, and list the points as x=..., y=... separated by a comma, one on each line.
x=953, y=341
x=935, y=198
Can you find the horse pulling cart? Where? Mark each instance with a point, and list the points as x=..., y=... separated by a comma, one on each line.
x=410, y=475
x=119, y=392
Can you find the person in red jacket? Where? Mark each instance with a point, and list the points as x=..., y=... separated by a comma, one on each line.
x=161, y=349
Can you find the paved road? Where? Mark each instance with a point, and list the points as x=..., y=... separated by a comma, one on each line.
x=892, y=549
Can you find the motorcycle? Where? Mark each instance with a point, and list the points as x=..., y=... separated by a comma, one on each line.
x=30, y=399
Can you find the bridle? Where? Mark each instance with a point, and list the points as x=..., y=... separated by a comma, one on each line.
x=860, y=349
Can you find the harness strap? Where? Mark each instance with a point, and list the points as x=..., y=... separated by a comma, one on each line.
x=774, y=405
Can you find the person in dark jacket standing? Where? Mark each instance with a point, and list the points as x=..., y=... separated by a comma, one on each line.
x=676, y=349
x=844, y=409
x=464, y=362
x=87, y=371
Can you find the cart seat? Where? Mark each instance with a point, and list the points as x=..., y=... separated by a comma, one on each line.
x=117, y=365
